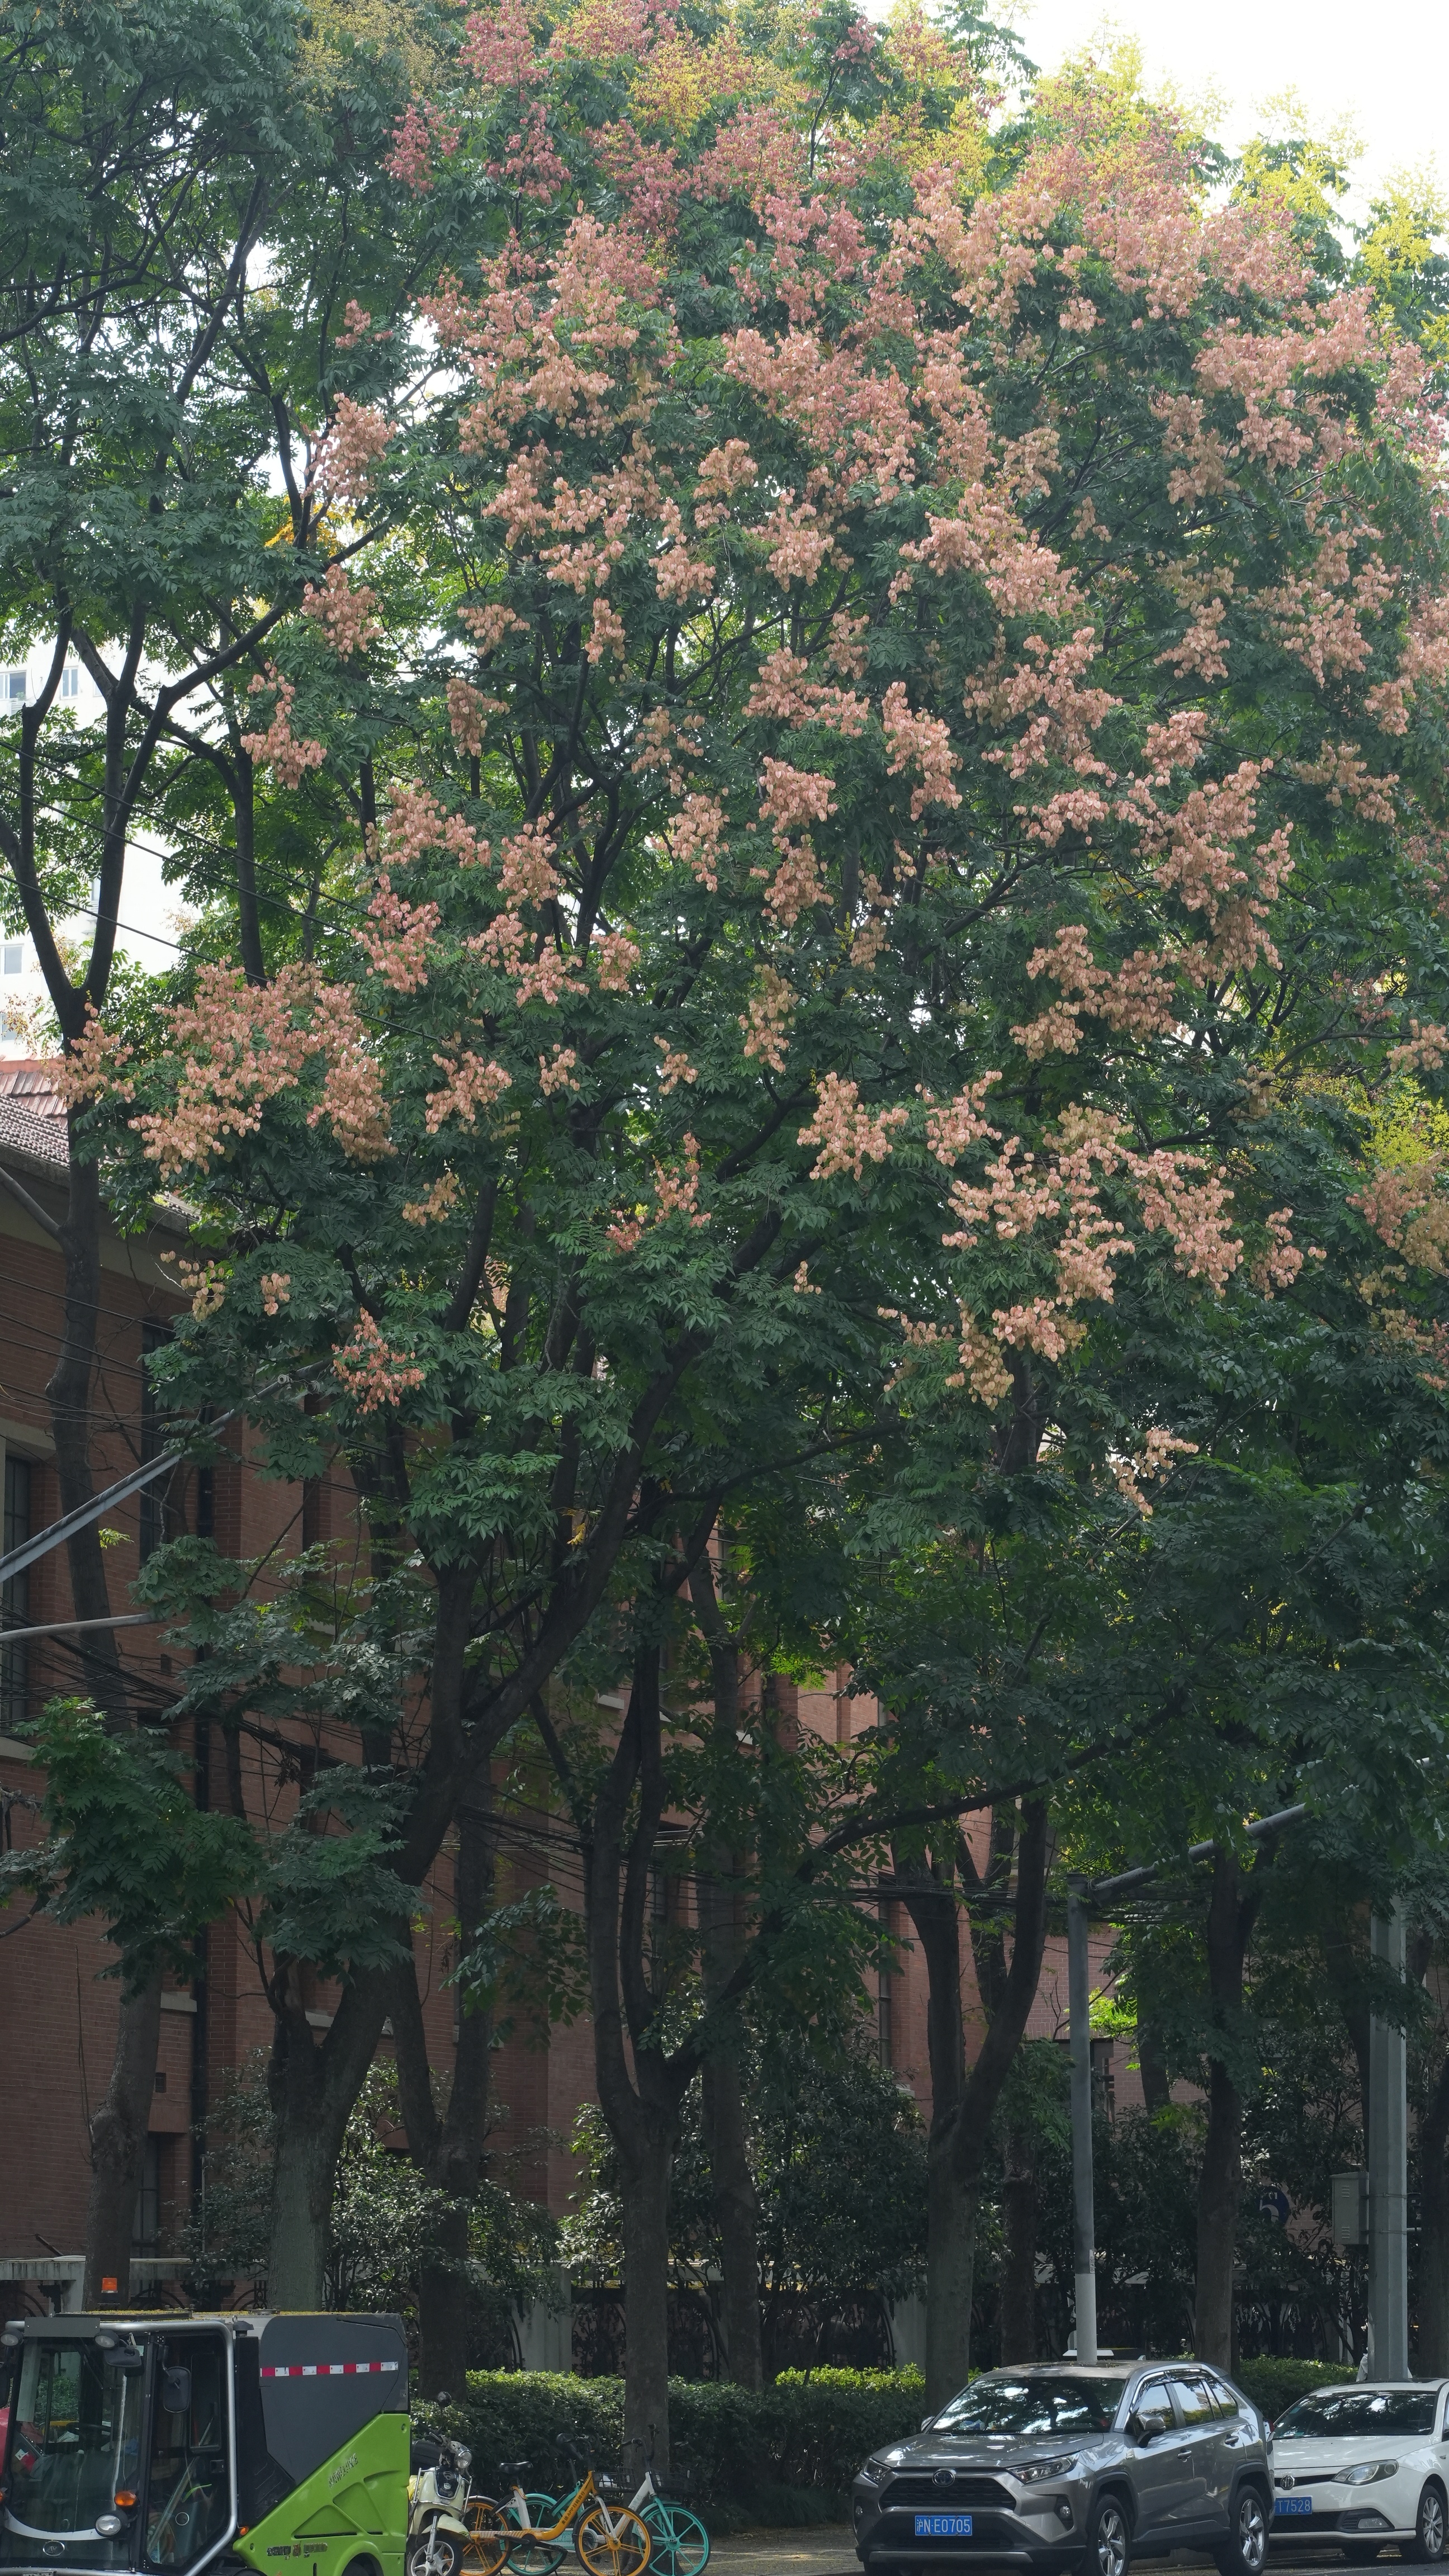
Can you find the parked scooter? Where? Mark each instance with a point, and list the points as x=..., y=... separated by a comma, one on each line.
x=437, y=2494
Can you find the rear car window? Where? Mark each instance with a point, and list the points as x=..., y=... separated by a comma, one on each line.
x=1344, y=2413
x=1027, y=2403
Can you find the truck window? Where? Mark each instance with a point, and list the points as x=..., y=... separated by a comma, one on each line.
x=74, y=2441
x=188, y=2493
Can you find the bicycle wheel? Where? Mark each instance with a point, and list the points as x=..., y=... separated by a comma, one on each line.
x=485, y=2551
x=530, y=2557
x=612, y=2541
x=680, y=2541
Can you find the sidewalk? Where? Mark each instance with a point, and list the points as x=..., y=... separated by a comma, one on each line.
x=825, y=2550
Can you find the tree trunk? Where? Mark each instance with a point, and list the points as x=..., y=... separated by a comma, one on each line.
x=737, y=2215
x=962, y=2105
x=1231, y=1914
x=312, y=2092
x=118, y=2141
x=1434, y=2231
x=448, y=2151
x=644, y=2175
x=736, y=2202
x=1018, y=2253
x=118, y=2131
x=951, y=2216
x=1217, y=2220
x=640, y=2089
x=443, y=2305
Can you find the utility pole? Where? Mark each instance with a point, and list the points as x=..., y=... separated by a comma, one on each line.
x=1388, y=2269
x=1084, y=1898
x=1084, y=2217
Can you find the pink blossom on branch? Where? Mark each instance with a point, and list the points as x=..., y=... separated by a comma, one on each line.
x=371, y=1370
x=399, y=944
x=92, y=1066
x=278, y=748
x=242, y=1045
x=348, y=450
x=419, y=133
x=345, y=615
x=845, y=1134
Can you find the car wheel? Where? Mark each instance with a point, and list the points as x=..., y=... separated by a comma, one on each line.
x=1247, y=2550
x=1427, y=2545
x=1108, y=2539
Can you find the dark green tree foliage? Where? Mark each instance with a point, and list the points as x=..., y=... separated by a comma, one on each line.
x=189, y=203
x=387, y=2222
x=837, y=2151
x=124, y=1841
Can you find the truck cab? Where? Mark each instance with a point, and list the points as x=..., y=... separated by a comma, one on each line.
x=180, y=2443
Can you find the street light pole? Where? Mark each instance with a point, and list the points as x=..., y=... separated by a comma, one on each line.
x=1084, y=1896
x=1084, y=2224
x=1388, y=2283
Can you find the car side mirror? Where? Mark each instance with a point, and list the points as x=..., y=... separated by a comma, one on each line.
x=1145, y=2422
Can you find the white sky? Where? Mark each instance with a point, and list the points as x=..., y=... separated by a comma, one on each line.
x=1383, y=68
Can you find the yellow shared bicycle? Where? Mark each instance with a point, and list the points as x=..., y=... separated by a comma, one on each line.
x=525, y=2532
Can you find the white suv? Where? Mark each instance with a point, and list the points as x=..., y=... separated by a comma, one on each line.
x=1365, y=2464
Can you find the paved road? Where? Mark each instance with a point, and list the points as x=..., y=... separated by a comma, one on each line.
x=828, y=2552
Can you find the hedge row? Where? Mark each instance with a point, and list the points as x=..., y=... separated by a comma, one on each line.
x=1274, y=2383
x=758, y=2450
x=765, y=2453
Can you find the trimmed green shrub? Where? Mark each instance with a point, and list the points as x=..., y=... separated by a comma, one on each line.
x=784, y=2453
x=1273, y=2381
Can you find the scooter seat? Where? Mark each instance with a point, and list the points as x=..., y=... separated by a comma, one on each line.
x=515, y=2468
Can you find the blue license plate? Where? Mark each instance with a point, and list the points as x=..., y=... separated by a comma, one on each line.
x=1292, y=2504
x=943, y=2526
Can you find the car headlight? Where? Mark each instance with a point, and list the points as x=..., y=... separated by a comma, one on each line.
x=109, y=2525
x=1036, y=2470
x=1368, y=2472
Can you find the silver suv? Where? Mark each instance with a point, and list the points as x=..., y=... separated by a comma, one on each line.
x=1058, y=2468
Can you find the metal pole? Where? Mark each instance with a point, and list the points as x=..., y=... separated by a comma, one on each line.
x=1388, y=2172
x=1084, y=2221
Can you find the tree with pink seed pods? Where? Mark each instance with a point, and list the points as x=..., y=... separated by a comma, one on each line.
x=937, y=713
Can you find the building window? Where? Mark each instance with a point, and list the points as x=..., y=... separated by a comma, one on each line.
x=158, y=1514
x=148, y=2200
x=70, y=680
x=14, y=956
x=15, y=688
x=15, y=1597
x=888, y=1916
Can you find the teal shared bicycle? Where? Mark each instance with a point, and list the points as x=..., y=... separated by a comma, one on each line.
x=680, y=2542
x=533, y=2524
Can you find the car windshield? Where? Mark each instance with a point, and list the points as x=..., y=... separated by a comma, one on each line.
x=1013, y=2403
x=1340, y=2414
x=74, y=2439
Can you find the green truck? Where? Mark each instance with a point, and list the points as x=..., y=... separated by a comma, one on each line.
x=238, y=2443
